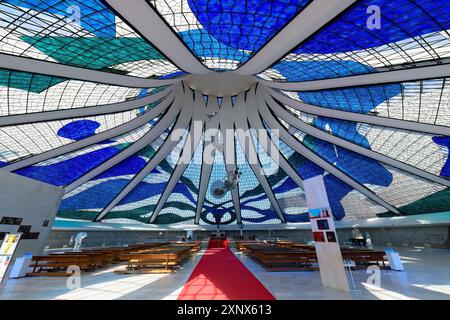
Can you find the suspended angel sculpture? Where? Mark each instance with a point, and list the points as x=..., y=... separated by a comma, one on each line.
x=220, y=188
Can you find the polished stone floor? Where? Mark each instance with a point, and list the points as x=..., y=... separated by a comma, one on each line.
x=427, y=276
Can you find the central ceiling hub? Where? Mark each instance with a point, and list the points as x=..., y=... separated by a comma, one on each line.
x=220, y=84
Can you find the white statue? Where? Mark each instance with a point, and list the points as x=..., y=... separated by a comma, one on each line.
x=368, y=241
x=355, y=233
x=71, y=240
x=78, y=240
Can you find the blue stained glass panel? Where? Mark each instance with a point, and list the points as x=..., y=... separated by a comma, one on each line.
x=370, y=36
x=94, y=16
x=255, y=205
x=181, y=205
x=225, y=34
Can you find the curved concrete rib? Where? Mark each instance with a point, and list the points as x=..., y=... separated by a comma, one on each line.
x=243, y=134
x=83, y=112
x=256, y=123
x=209, y=153
x=144, y=141
x=384, y=77
x=315, y=16
x=189, y=148
x=359, y=117
x=17, y=63
x=152, y=27
x=105, y=135
x=226, y=115
x=169, y=144
x=315, y=132
x=311, y=156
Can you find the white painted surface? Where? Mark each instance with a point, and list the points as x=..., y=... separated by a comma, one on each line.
x=220, y=84
x=395, y=262
x=329, y=254
x=432, y=219
x=20, y=267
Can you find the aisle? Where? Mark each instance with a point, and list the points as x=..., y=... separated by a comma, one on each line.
x=219, y=275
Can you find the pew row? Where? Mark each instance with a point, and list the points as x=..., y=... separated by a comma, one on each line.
x=161, y=259
x=291, y=256
x=57, y=264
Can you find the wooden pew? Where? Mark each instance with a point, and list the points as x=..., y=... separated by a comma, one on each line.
x=364, y=258
x=161, y=259
x=304, y=246
x=138, y=261
x=282, y=243
x=276, y=258
x=283, y=261
x=56, y=265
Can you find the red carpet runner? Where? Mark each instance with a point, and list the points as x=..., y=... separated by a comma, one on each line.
x=217, y=244
x=219, y=275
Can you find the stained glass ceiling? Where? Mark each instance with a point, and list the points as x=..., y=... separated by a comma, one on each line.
x=140, y=120
x=225, y=34
x=412, y=32
x=79, y=33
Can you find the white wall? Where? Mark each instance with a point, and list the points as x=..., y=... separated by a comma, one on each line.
x=423, y=220
x=33, y=201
